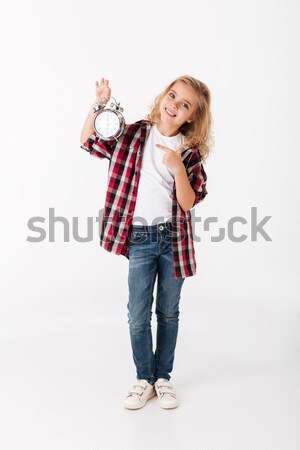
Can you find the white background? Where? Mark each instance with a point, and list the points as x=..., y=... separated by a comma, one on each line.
x=65, y=352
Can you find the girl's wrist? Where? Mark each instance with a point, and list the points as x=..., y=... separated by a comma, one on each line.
x=101, y=99
x=180, y=168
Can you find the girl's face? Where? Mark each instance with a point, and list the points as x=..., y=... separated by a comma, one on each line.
x=178, y=106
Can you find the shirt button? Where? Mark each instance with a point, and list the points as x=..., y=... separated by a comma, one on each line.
x=161, y=227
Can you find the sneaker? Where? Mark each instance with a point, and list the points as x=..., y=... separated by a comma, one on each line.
x=141, y=392
x=166, y=394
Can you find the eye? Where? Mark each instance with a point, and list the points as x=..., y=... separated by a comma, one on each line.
x=185, y=105
x=171, y=95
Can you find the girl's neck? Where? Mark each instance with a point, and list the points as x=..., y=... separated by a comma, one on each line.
x=165, y=130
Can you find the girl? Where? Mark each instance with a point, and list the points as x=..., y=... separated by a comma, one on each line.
x=155, y=177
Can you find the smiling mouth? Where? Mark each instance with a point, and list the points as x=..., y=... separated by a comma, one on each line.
x=170, y=113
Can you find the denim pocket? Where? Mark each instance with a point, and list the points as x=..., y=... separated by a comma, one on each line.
x=138, y=237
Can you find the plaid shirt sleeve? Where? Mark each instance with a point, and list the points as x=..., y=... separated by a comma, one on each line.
x=197, y=178
x=99, y=148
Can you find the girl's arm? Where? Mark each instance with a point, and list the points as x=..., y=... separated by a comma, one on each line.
x=88, y=127
x=184, y=192
x=102, y=92
x=190, y=183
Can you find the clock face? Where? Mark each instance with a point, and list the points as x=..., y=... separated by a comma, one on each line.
x=107, y=123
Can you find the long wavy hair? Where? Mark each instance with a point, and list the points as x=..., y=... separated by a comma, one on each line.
x=198, y=132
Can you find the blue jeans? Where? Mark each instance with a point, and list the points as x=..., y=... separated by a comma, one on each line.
x=150, y=256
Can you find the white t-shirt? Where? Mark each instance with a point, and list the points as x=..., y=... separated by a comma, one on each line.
x=155, y=189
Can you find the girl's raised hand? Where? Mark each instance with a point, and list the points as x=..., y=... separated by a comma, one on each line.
x=103, y=91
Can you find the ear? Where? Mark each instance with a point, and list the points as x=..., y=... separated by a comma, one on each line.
x=191, y=119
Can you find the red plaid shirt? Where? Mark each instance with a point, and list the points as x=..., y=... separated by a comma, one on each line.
x=125, y=156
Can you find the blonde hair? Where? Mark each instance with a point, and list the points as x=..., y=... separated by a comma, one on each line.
x=198, y=132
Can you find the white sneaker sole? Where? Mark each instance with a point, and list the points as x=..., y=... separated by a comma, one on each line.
x=170, y=406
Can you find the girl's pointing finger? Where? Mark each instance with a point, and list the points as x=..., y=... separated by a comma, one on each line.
x=162, y=147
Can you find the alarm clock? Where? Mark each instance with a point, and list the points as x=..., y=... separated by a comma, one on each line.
x=109, y=122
